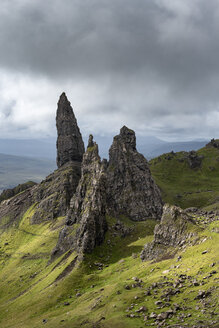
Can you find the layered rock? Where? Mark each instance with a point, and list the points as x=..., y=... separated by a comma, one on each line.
x=86, y=222
x=174, y=230
x=70, y=146
x=131, y=190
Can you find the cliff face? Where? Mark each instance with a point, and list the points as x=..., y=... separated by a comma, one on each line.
x=70, y=145
x=86, y=219
x=88, y=205
x=131, y=190
x=173, y=231
x=86, y=191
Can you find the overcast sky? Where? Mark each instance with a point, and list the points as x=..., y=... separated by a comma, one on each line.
x=152, y=65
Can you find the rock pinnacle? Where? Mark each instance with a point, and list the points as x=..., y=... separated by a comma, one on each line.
x=70, y=145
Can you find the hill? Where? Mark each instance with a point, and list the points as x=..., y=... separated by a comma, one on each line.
x=184, y=182
x=112, y=287
x=17, y=169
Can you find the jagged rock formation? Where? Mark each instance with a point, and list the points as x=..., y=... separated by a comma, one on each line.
x=12, y=209
x=131, y=190
x=86, y=222
x=52, y=196
x=70, y=146
x=173, y=230
x=8, y=193
x=86, y=192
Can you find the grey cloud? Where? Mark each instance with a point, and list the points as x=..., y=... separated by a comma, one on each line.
x=152, y=60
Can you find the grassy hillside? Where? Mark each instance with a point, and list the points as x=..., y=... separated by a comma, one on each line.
x=185, y=186
x=101, y=291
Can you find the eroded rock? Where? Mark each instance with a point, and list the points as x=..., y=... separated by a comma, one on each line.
x=131, y=190
x=172, y=231
x=86, y=216
x=70, y=145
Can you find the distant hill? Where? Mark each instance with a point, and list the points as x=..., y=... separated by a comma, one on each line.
x=149, y=146
x=166, y=147
x=18, y=169
x=35, y=148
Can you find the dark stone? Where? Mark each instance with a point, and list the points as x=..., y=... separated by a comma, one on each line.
x=131, y=190
x=8, y=193
x=52, y=196
x=86, y=223
x=202, y=294
x=70, y=146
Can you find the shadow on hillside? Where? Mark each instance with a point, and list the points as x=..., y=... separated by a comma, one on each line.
x=117, y=247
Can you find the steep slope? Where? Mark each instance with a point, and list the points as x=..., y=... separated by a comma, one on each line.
x=112, y=287
x=188, y=179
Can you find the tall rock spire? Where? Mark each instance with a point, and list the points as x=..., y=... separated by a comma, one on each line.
x=131, y=189
x=70, y=145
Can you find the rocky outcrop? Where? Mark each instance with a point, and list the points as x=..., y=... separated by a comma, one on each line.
x=11, y=210
x=194, y=159
x=173, y=230
x=131, y=190
x=8, y=193
x=70, y=146
x=52, y=196
x=213, y=143
x=85, y=192
x=86, y=222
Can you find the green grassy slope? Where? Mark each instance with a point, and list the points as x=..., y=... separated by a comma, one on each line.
x=186, y=187
x=34, y=293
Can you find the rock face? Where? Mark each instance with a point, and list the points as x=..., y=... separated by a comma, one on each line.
x=86, y=222
x=173, y=230
x=131, y=189
x=11, y=210
x=52, y=196
x=8, y=193
x=70, y=146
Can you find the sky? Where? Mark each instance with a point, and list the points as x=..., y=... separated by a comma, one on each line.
x=150, y=65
